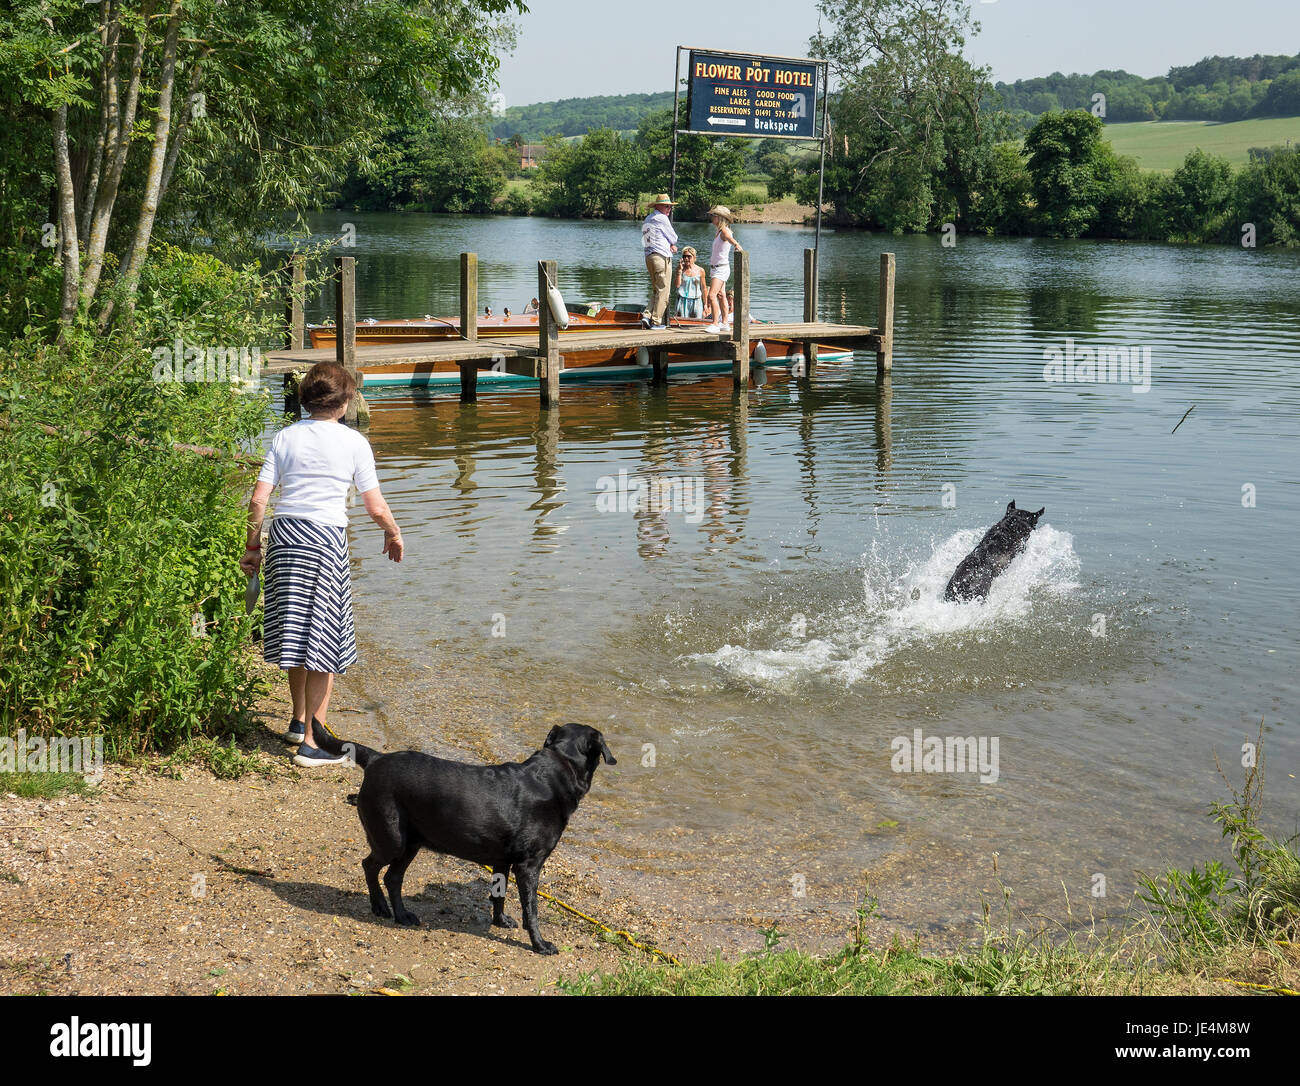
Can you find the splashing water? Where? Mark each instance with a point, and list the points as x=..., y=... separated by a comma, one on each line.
x=901, y=624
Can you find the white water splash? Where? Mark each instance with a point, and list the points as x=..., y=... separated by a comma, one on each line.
x=897, y=610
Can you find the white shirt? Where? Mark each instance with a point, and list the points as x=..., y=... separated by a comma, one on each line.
x=658, y=235
x=315, y=462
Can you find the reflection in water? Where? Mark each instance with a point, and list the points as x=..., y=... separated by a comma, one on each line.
x=546, y=438
x=824, y=500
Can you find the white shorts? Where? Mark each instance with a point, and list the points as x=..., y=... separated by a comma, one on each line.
x=721, y=272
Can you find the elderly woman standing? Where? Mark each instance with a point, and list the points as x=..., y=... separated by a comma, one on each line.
x=308, y=629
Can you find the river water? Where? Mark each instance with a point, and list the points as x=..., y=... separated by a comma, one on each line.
x=760, y=645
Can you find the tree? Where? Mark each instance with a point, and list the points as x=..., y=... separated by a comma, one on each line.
x=1197, y=198
x=1268, y=195
x=708, y=167
x=592, y=177
x=781, y=173
x=209, y=117
x=906, y=123
x=1069, y=167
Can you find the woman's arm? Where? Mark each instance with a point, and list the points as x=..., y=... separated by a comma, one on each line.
x=726, y=233
x=252, y=558
x=679, y=277
x=383, y=516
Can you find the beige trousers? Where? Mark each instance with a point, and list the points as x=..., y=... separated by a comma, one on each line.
x=658, y=266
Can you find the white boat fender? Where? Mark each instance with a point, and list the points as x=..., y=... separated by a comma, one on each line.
x=759, y=357
x=559, y=312
x=642, y=357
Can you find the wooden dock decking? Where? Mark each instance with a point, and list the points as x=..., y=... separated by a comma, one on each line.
x=540, y=354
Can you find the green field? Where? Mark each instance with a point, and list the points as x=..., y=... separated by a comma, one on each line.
x=1162, y=145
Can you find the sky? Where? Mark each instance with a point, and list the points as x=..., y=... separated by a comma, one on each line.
x=569, y=49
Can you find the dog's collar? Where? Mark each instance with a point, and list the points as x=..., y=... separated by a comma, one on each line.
x=577, y=779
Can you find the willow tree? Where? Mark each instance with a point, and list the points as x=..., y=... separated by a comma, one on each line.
x=906, y=136
x=212, y=116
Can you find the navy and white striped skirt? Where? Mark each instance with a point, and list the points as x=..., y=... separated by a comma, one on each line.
x=308, y=597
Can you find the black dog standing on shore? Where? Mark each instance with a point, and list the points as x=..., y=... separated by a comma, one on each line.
x=991, y=556
x=504, y=816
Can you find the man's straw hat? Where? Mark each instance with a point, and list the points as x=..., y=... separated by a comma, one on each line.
x=662, y=198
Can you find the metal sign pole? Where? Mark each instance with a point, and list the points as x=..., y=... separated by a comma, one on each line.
x=821, y=178
x=677, y=80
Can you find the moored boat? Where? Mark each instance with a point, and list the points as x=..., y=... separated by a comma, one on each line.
x=618, y=363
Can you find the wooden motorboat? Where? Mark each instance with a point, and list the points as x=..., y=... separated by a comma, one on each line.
x=596, y=364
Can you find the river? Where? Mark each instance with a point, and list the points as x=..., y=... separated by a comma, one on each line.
x=759, y=654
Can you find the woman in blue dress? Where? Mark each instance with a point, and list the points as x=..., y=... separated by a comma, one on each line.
x=690, y=286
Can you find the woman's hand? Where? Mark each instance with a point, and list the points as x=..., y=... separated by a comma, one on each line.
x=251, y=562
x=393, y=546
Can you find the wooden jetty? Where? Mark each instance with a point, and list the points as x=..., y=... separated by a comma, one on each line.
x=541, y=355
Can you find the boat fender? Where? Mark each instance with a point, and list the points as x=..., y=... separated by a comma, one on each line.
x=642, y=357
x=760, y=354
x=559, y=312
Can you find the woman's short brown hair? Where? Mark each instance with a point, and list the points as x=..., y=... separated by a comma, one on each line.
x=326, y=387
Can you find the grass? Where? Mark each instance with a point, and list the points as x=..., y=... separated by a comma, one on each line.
x=1188, y=932
x=1162, y=145
x=42, y=785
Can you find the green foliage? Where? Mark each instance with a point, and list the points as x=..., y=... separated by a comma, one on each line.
x=43, y=785
x=121, y=604
x=780, y=169
x=1268, y=195
x=906, y=124
x=441, y=164
x=1001, y=202
x=590, y=178
x=578, y=116
x=1069, y=168
x=1197, y=200
x=708, y=167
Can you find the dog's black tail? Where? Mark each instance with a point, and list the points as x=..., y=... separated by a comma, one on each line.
x=329, y=742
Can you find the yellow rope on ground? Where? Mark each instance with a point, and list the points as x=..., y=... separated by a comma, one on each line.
x=626, y=936
x=1256, y=987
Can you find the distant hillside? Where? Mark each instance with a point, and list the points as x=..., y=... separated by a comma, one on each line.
x=575, y=116
x=1162, y=145
x=1213, y=89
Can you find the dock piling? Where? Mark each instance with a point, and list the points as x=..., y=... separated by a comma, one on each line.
x=469, y=323
x=809, y=310
x=345, y=338
x=295, y=268
x=885, y=315
x=740, y=324
x=548, y=337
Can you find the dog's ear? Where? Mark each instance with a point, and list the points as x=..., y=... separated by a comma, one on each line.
x=1039, y=514
x=550, y=737
x=605, y=752
x=1011, y=506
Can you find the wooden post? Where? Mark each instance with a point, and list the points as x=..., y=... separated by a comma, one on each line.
x=296, y=331
x=469, y=297
x=345, y=338
x=809, y=309
x=659, y=363
x=885, y=314
x=468, y=382
x=548, y=337
x=740, y=324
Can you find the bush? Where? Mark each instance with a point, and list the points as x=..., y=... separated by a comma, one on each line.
x=121, y=604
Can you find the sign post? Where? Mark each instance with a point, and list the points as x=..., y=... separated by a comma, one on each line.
x=755, y=97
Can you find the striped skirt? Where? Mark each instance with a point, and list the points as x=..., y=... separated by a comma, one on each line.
x=308, y=597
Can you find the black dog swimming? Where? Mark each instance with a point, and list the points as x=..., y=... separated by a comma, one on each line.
x=504, y=816
x=991, y=556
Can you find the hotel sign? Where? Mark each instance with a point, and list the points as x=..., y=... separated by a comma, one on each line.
x=732, y=94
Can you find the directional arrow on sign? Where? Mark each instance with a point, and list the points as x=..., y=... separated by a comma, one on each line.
x=728, y=120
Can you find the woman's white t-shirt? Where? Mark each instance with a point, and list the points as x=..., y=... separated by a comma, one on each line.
x=315, y=462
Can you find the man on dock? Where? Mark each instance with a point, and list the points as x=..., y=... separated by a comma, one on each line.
x=659, y=240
